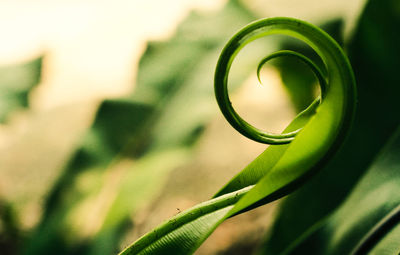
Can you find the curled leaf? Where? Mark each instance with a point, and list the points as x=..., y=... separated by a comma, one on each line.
x=280, y=169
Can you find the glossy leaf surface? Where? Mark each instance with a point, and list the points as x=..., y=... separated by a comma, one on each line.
x=375, y=196
x=288, y=166
x=374, y=62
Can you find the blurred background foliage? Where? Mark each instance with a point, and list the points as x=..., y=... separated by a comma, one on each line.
x=109, y=133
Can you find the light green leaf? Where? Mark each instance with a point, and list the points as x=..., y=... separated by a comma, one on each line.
x=16, y=82
x=289, y=166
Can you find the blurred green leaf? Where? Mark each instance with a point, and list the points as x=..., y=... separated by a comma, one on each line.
x=389, y=244
x=16, y=82
x=375, y=56
x=374, y=197
x=10, y=236
x=134, y=142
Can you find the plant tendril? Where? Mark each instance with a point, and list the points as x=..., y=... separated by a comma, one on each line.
x=317, y=72
x=221, y=91
x=304, y=59
x=279, y=170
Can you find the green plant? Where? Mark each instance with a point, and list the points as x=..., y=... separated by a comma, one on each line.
x=93, y=195
x=319, y=131
x=16, y=82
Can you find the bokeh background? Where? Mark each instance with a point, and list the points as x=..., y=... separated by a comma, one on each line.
x=108, y=122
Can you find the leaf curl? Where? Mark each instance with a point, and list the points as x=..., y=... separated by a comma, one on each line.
x=314, y=137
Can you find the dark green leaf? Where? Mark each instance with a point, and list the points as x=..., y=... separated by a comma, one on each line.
x=375, y=56
x=374, y=197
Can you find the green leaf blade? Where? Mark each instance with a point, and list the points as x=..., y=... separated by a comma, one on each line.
x=319, y=139
x=183, y=233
